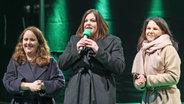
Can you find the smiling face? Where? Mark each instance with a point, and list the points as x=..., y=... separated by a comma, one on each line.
x=91, y=23
x=153, y=31
x=30, y=43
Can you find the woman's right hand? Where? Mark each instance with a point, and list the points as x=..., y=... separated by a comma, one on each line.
x=80, y=43
x=140, y=81
x=34, y=86
x=85, y=42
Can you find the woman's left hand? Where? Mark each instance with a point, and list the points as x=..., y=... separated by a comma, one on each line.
x=140, y=81
x=91, y=44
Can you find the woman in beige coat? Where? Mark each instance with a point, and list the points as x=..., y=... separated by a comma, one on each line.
x=156, y=67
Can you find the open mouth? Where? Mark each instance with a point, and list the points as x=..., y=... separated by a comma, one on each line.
x=88, y=27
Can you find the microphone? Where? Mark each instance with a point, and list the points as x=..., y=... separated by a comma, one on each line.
x=86, y=34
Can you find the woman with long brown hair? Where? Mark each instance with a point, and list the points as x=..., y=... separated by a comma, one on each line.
x=32, y=75
x=156, y=67
x=93, y=67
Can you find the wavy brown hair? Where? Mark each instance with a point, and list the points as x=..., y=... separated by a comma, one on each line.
x=42, y=56
x=163, y=26
x=102, y=26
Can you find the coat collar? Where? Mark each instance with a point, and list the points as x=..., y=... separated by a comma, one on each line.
x=105, y=42
x=31, y=73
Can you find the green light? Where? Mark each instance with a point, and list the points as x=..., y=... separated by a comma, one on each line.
x=156, y=8
x=57, y=26
x=103, y=7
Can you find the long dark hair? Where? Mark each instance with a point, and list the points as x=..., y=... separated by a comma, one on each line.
x=102, y=26
x=163, y=26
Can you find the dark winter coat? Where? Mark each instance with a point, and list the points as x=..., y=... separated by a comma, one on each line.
x=92, y=81
x=51, y=76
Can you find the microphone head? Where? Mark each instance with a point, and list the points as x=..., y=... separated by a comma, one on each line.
x=87, y=32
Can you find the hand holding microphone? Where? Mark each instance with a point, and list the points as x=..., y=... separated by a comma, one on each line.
x=86, y=34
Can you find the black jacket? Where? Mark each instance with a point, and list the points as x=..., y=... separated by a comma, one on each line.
x=92, y=81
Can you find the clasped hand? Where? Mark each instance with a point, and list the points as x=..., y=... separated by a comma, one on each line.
x=36, y=85
x=85, y=42
x=140, y=81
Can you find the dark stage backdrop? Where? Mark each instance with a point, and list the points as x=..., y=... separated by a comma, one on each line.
x=127, y=17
